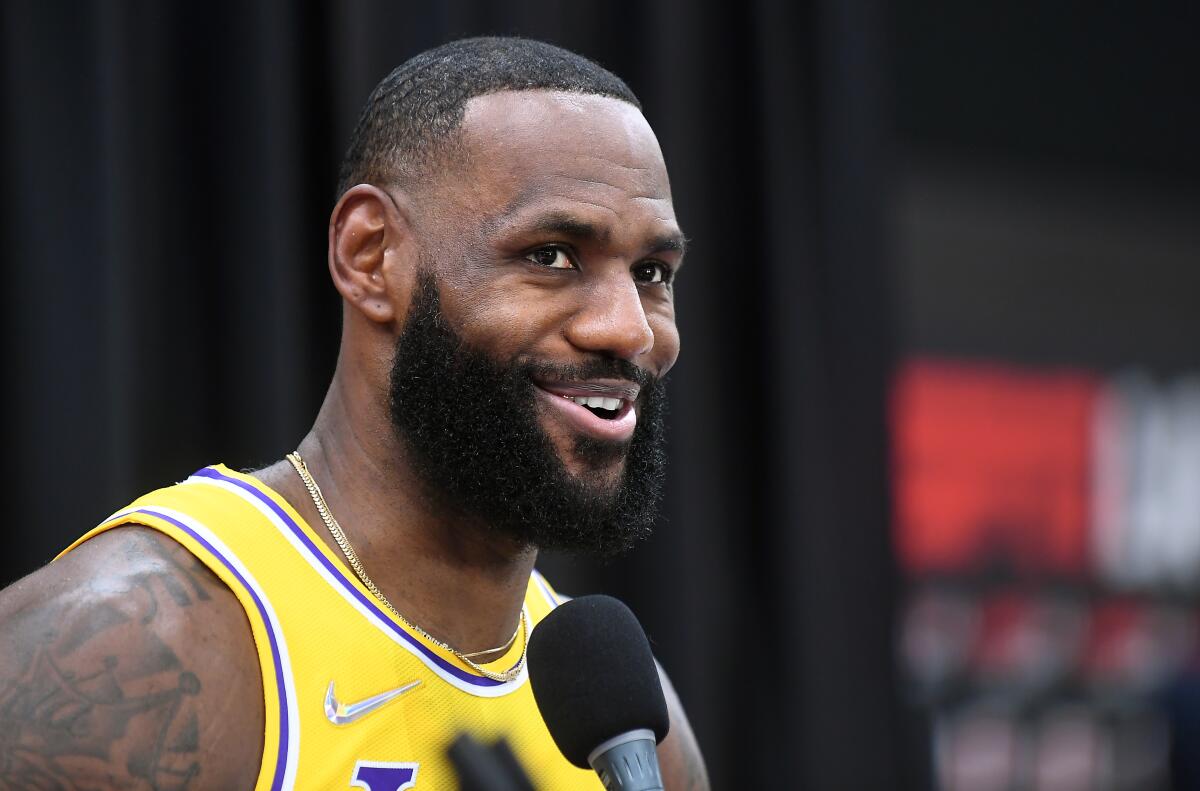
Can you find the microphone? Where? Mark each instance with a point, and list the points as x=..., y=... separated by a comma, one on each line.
x=597, y=687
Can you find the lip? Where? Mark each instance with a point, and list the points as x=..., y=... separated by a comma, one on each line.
x=618, y=429
x=608, y=388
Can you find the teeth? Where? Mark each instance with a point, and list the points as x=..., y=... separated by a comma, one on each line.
x=598, y=402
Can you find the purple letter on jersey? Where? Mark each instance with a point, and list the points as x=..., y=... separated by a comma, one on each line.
x=374, y=776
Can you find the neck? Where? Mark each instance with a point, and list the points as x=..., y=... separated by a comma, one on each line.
x=442, y=570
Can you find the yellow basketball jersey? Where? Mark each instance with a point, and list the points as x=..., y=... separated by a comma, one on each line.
x=334, y=660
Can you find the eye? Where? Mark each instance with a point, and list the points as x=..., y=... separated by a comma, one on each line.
x=552, y=257
x=652, y=272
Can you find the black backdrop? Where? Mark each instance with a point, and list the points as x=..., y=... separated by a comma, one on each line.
x=168, y=173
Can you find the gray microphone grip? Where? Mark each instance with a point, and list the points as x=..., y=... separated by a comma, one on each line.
x=628, y=762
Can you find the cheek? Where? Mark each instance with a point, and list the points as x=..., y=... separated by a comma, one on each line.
x=666, y=340
x=505, y=318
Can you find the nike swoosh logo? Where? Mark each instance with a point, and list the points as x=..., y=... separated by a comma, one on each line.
x=344, y=714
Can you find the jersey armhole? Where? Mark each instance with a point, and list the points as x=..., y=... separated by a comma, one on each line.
x=547, y=597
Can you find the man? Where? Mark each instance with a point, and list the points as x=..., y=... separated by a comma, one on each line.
x=504, y=245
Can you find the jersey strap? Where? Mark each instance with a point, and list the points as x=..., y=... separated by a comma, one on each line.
x=182, y=516
x=328, y=566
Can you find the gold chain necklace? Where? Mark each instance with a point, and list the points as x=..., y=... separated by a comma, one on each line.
x=339, y=536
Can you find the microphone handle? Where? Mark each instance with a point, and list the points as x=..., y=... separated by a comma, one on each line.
x=628, y=762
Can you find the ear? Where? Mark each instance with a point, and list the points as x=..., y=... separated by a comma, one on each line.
x=371, y=254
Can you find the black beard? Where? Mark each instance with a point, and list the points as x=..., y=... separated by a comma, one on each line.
x=470, y=425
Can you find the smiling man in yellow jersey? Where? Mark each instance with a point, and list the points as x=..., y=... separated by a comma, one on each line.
x=505, y=245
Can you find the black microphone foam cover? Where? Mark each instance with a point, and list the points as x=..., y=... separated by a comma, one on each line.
x=593, y=676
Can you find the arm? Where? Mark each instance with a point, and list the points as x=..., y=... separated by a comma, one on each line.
x=127, y=664
x=679, y=755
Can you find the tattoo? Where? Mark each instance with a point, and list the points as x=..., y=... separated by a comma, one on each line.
x=74, y=709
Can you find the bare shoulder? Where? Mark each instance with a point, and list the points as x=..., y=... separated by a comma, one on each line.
x=127, y=664
x=679, y=754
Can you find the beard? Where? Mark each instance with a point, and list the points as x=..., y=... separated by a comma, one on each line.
x=470, y=425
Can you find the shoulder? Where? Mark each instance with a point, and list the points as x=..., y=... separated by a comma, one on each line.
x=679, y=754
x=127, y=663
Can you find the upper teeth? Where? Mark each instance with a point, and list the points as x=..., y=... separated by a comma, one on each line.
x=597, y=402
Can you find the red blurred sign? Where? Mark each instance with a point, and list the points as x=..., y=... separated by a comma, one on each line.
x=991, y=465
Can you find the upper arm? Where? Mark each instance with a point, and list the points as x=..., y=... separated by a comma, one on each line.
x=127, y=664
x=679, y=754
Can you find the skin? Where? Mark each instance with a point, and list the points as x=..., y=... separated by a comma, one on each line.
x=126, y=665
x=549, y=240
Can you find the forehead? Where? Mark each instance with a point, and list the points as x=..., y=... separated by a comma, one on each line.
x=581, y=153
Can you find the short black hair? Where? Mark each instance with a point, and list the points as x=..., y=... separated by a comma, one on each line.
x=412, y=115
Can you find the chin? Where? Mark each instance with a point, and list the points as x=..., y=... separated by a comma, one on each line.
x=601, y=476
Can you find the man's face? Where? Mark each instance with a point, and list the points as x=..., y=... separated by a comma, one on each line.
x=551, y=253
x=472, y=428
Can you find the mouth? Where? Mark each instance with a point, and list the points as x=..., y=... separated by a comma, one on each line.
x=600, y=408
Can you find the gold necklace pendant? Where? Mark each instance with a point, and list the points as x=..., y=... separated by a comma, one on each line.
x=335, y=529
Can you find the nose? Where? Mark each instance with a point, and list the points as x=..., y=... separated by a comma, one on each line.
x=612, y=321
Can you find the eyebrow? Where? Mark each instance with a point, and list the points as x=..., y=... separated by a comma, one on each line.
x=671, y=242
x=572, y=227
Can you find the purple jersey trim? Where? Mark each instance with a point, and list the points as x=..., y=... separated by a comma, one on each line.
x=281, y=758
x=470, y=678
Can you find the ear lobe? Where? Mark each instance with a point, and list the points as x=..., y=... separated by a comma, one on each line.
x=367, y=235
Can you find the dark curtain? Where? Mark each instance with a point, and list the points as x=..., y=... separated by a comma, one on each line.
x=168, y=173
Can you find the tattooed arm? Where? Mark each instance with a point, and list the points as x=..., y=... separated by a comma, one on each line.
x=679, y=754
x=127, y=665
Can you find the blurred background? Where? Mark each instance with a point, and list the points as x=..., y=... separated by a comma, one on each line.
x=934, y=506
